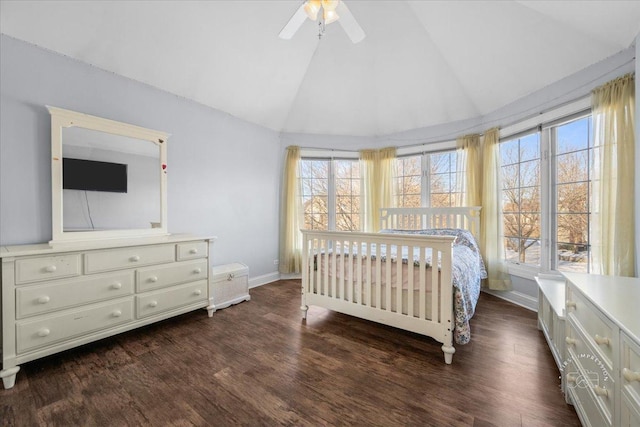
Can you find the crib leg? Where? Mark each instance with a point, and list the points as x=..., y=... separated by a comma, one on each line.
x=448, y=353
x=304, y=309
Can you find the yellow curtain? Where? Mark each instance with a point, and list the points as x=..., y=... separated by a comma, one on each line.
x=377, y=169
x=491, y=243
x=468, y=150
x=290, y=215
x=613, y=109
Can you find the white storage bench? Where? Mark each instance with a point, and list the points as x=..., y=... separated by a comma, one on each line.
x=230, y=285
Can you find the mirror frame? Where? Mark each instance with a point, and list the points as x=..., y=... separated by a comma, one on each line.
x=60, y=119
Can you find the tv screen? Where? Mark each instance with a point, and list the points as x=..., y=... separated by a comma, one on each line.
x=78, y=174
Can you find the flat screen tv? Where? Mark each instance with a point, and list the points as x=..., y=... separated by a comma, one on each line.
x=79, y=174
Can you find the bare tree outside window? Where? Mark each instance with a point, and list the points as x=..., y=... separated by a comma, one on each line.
x=573, y=164
x=315, y=193
x=520, y=160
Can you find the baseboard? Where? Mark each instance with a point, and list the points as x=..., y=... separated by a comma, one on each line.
x=254, y=282
x=517, y=298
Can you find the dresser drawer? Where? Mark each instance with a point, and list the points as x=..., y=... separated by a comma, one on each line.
x=600, y=331
x=115, y=259
x=630, y=367
x=159, y=301
x=596, y=375
x=46, y=330
x=47, y=268
x=150, y=278
x=585, y=401
x=630, y=412
x=191, y=250
x=39, y=299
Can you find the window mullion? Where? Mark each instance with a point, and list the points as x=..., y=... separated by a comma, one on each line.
x=331, y=203
x=547, y=200
x=425, y=194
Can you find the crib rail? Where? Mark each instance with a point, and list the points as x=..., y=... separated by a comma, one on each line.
x=467, y=218
x=411, y=296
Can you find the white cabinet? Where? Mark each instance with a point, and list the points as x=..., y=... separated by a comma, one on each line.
x=54, y=299
x=602, y=359
x=551, y=315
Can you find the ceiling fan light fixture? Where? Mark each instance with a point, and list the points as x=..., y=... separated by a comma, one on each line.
x=330, y=4
x=330, y=16
x=312, y=7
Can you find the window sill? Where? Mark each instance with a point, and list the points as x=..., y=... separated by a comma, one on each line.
x=525, y=271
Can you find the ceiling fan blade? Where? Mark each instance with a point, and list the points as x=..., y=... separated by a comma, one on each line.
x=294, y=23
x=349, y=23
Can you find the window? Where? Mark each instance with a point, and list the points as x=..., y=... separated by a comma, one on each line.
x=315, y=194
x=330, y=194
x=439, y=188
x=347, y=173
x=444, y=190
x=520, y=163
x=573, y=162
x=409, y=182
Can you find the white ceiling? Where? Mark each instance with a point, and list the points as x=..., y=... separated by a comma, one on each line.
x=422, y=63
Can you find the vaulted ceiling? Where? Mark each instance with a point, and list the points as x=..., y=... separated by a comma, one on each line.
x=422, y=63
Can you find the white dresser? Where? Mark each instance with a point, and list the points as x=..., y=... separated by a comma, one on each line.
x=602, y=361
x=57, y=298
x=551, y=315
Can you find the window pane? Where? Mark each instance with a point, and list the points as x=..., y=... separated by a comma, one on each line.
x=442, y=179
x=347, y=193
x=409, y=182
x=520, y=159
x=573, y=165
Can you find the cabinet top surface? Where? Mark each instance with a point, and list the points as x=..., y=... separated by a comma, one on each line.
x=554, y=290
x=617, y=297
x=46, y=249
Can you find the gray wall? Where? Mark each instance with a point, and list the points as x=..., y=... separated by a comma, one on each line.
x=223, y=173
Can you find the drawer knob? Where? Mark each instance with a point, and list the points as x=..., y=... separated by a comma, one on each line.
x=43, y=300
x=197, y=292
x=571, y=341
x=153, y=304
x=571, y=304
x=116, y=313
x=197, y=271
x=116, y=285
x=630, y=376
x=50, y=268
x=134, y=258
x=153, y=279
x=231, y=276
x=602, y=340
x=43, y=332
x=600, y=391
x=193, y=251
x=571, y=378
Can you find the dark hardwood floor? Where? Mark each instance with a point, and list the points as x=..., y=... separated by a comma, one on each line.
x=258, y=364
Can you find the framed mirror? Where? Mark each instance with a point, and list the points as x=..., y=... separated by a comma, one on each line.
x=108, y=179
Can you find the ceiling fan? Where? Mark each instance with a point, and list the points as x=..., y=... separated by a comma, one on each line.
x=332, y=10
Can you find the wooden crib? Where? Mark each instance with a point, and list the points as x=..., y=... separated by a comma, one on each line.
x=388, y=278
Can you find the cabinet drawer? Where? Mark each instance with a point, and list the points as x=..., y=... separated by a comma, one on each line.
x=595, y=374
x=190, y=250
x=167, y=275
x=165, y=300
x=580, y=390
x=38, y=299
x=47, y=268
x=630, y=412
x=115, y=259
x=630, y=367
x=45, y=330
x=600, y=331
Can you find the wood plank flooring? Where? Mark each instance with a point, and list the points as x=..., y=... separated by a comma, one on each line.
x=258, y=364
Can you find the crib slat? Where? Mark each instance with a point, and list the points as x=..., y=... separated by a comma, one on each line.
x=388, y=283
x=423, y=284
x=368, y=283
x=410, y=271
x=334, y=267
x=435, y=284
x=325, y=282
x=378, y=280
x=342, y=268
x=398, y=278
x=358, y=261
